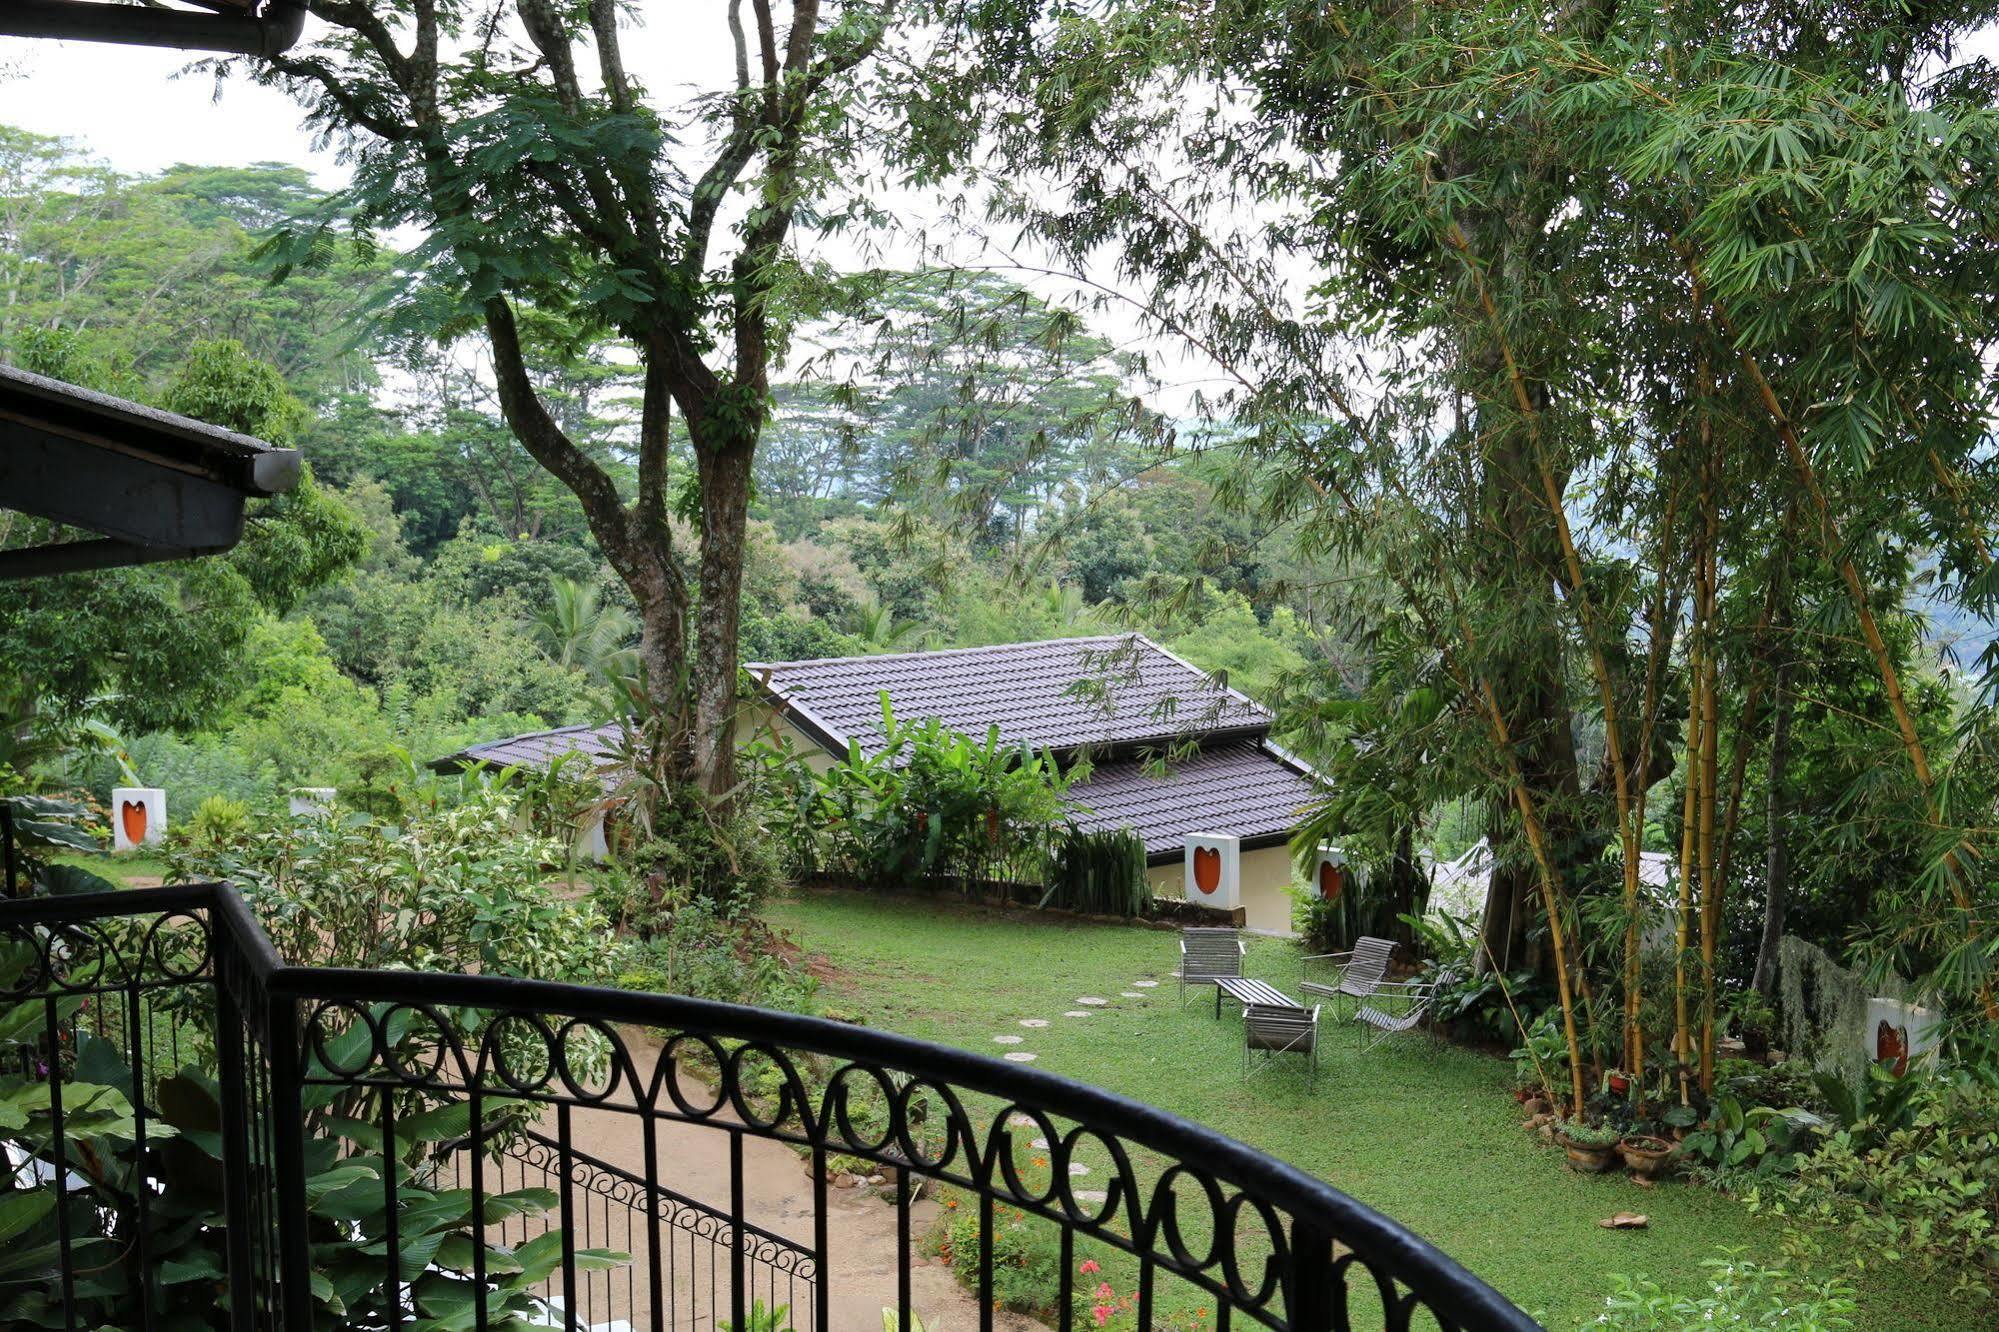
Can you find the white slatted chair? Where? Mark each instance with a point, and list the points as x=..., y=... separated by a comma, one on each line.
x=1278, y=1029
x=1207, y=954
x=1358, y=973
x=1395, y=1007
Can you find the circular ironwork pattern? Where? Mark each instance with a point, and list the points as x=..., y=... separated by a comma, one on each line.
x=1262, y=1239
x=1188, y=1221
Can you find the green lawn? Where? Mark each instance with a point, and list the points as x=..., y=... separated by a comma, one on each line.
x=1422, y=1131
x=127, y=867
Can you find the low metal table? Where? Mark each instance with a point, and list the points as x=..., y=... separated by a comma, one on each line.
x=1247, y=990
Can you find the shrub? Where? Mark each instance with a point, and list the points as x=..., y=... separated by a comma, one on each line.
x=1924, y=1188
x=443, y=888
x=218, y=820
x=1099, y=872
x=1027, y=1256
x=694, y=949
x=931, y=805
x=1744, y=1295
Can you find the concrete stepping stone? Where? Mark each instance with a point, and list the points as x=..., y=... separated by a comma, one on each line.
x=1008, y=1040
x=1091, y=1195
x=1145, y=984
x=1020, y=1121
x=1131, y=994
x=1079, y=1012
x=1078, y=1168
x=1034, y=1022
x=1021, y=1056
x=1041, y=1143
x=1093, y=1001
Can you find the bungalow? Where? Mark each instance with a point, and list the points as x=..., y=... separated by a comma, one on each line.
x=1171, y=753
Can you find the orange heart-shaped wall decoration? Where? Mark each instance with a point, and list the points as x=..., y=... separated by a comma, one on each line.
x=132, y=813
x=1207, y=868
x=1331, y=881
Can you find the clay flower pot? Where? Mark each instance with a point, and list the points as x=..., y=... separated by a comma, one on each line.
x=1620, y=1082
x=1647, y=1155
x=1588, y=1157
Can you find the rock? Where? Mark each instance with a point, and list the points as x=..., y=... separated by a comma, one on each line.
x=845, y=1181
x=1547, y=1130
x=1644, y=1181
x=1626, y=1221
x=877, y=1179
x=1538, y=1105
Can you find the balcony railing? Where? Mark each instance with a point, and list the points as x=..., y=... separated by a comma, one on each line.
x=377, y=1149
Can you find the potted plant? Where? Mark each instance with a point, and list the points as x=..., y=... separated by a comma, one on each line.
x=1589, y=1146
x=1618, y=1081
x=1647, y=1154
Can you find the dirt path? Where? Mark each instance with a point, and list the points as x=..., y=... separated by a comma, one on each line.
x=860, y=1280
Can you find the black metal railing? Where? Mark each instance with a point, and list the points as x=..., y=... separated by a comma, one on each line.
x=316, y=1147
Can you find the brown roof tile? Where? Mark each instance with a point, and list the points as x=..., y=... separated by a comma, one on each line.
x=1242, y=788
x=1064, y=694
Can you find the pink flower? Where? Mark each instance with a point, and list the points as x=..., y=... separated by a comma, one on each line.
x=1104, y=1292
x=1088, y=1267
x=1102, y=1314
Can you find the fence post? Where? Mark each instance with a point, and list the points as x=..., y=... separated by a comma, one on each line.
x=231, y=1036
x=288, y=1131
x=1312, y=1283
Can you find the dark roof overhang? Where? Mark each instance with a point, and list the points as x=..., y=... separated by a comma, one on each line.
x=152, y=485
x=241, y=27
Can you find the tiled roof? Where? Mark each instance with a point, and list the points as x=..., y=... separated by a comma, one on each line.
x=1241, y=788
x=537, y=749
x=1064, y=694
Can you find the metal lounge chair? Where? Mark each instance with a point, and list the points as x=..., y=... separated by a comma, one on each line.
x=1359, y=972
x=1395, y=1006
x=1280, y=1029
x=1207, y=954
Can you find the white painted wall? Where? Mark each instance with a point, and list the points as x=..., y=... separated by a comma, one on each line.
x=1266, y=885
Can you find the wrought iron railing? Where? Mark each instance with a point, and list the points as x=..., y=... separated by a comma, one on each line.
x=386, y=1148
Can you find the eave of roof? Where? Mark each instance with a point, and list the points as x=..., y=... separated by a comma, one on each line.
x=151, y=484
x=249, y=27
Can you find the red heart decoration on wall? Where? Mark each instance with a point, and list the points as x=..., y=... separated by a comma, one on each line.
x=1207, y=868
x=132, y=813
x=1891, y=1046
x=1331, y=880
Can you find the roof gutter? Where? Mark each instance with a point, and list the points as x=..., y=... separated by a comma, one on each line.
x=269, y=33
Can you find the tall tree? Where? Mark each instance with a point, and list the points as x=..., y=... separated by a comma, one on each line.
x=547, y=183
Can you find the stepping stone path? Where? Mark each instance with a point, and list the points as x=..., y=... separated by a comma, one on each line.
x=1078, y=1168
x=1131, y=994
x=1093, y=1001
x=1008, y=1040
x=1145, y=984
x=1041, y=1143
x=1091, y=1195
x=1022, y=1056
x=1020, y=1121
x=1079, y=1012
x=1034, y=1022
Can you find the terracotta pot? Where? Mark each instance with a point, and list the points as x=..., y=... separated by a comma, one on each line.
x=1620, y=1082
x=1587, y=1158
x=1648, y=1156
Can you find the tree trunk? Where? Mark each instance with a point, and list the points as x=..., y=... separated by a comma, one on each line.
x=725, y=490
x=1777, y=863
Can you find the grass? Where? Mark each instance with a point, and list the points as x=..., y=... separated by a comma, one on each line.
x=128, y=868
x=1422, y=1131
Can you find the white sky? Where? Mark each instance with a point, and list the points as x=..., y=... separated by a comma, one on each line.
x=134, y=109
